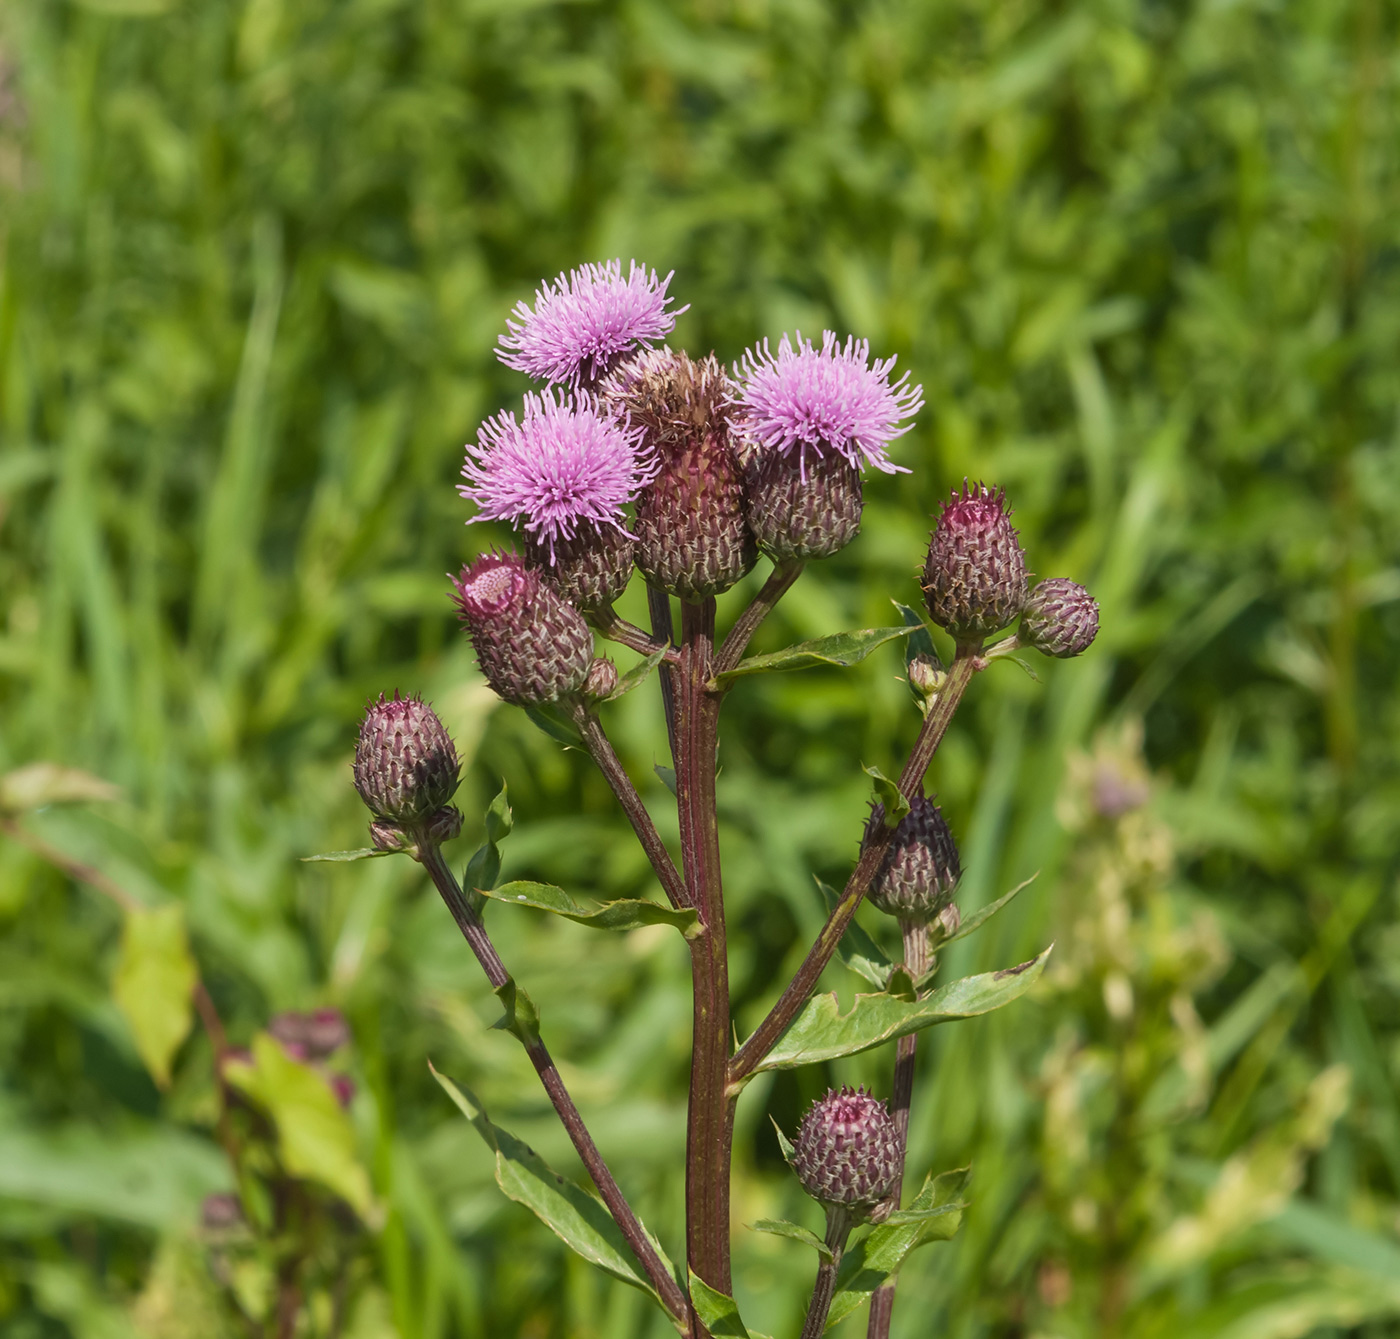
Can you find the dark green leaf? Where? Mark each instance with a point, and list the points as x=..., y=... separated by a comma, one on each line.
x=521, y=1019
x=935, y=1215
x=577, y=1218
x=920, y=642
x=780, y=1228
x=341, y=857
x=624, y=914
x=717, y=1310
x=842, y=649
x=822, y=1032
x=154, y=984
x=637, y=675
x=554, y=723
x=889, y=795
x=484, y=868
x=856, y=948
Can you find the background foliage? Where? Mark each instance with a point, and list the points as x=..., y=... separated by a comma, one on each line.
x=1142, y=256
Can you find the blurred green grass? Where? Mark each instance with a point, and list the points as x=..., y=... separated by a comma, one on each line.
x=1142, y=256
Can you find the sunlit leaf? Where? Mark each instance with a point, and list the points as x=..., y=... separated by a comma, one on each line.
x=822, y=1032
x=315, y=1138
x=343, y=857
x=154, y=984
x=624, y=914
x=637, y=675
x=484, y=868
x=841, y=649
x=521, y=1018
x=856, y=948
x=718, y=1310
x=781, y=1228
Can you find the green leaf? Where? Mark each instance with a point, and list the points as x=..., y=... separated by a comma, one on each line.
x=889, y=795
x=781, y=1228
x=935, y=1215
x=920, y=642
x=484, y=868
x=522, y=1019
x=822, y=1032
x=154, y=983
x=717, y=1310
x=341, y=857
x=637, y=675
x=315, y=1139
x=841, y=649
x=667, y=775
x=555, y=724
x=624, y=914
x=578, y=1219
x=41, y=784
x=784, y=1142
x=856, y=948
x=979, y=918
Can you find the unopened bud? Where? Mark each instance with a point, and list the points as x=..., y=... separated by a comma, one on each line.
x=926, y=676
x=920, y=871
x=602, y=679
x=405, y=764
x=532, y=646
x=975, y=575
x=692, y=540
x=1060, y=619
x=800, y=506
x=847, y=1151
x=590, y=569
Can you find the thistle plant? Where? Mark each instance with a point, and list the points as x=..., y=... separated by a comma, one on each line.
x=635, y=458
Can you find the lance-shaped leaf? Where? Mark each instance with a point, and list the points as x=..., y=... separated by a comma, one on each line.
x=342, y=857
x=979, y=918
x=314, y=1136
x=841, y=649
x=624, y=914
x=934, y=1216
x=637, y=675
x=856, y=948
x=822, y=1032
x=154, y=984
x=780, y=1227
x=484, y=868
x=578, y=1219
x=889, y=795
x=41, y=784
x=718, y=1311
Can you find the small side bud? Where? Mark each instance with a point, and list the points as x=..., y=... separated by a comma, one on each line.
x=975, y=575
x=602, y=679
x=531, y=645
x=405, y=764
x=1061, y=618
x=926, y=676
x=920, y=872
x=847, y=1151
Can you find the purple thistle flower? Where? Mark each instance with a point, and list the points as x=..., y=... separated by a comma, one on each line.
x=564, y=463
x=834, y=400
x=582, y=325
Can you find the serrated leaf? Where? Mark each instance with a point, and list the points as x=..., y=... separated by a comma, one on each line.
x=555, y=724
x=822, y=1032
x=484, y=868
x=841, y=649
x=718, y=1311
x=779, y=1227
x=40, y=784
x=624, y=914
x=889, y=795
x=363, y=853
x=667, y=775
x=315, y=1139
x=637, y=675
x=521, y=1018
x=856, y=948
x=154, y=984
x=578, y=1219
x=936, y=1215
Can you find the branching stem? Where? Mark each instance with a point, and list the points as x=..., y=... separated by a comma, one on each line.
x=732, y=652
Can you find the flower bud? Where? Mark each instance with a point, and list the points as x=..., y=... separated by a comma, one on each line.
x=531, y=645
x=926, y=676
x=602, y=679
x=920, y=872
x=691, y=537
x=405, y=764
x=847, y=1151
x=1061, y=618
x=802, y=509
x=975, y=576
x=589, y=569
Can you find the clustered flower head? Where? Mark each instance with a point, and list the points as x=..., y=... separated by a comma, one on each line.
x=561, y=465
x=805, y=402
x=583, y=324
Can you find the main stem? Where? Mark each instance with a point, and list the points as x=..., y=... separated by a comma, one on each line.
x=710, y=1129
x=751, y=1053
x=475, y=934
x=916, y=962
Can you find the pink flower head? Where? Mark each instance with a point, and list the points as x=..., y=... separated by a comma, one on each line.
x=562, y=464
x=582, y=324
x=833, y=400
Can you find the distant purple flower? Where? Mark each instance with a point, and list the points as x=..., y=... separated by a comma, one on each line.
x=585, y=321
x=833, y=400
x=562, y=464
